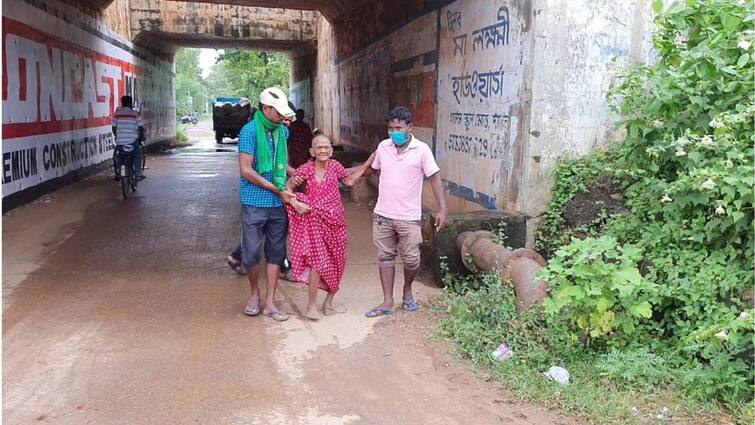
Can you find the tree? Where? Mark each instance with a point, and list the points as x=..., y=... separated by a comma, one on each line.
x=236, y=74
x=191, y=89
x=247, y=73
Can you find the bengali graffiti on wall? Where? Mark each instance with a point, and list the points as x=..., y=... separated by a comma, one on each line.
x=480, y=76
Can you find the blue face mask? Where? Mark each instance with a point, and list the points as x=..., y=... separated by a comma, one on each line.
x=399, y=137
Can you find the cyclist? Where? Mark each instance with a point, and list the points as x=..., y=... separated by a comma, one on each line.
x=128, y=129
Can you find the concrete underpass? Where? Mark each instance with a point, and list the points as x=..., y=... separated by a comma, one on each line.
x=124, y=312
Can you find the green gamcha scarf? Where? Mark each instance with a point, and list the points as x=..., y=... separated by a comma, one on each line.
x=265, y=162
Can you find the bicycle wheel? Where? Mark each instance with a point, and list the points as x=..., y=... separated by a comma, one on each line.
x=144, y=156
x=127, y=179
x=125, y=185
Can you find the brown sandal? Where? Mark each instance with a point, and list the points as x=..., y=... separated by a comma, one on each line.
x=236, y=266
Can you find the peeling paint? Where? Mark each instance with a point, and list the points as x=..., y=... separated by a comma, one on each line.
x=573, y=49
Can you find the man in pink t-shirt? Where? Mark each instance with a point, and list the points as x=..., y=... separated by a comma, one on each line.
x=404, y=162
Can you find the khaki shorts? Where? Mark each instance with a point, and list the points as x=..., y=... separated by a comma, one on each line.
x=397, y=237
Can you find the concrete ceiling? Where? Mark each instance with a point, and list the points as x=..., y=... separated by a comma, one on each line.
x=332, y=10
x=166, y=44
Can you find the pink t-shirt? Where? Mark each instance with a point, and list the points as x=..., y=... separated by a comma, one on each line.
x=401, y=176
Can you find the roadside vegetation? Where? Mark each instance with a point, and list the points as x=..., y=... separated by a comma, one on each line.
x=236, y=73
x=181, y=135
x=651, y=302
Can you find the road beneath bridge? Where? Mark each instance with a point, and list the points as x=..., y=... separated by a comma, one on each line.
x=124, y=312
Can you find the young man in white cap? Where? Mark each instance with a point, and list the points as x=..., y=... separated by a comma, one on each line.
x=262, y=165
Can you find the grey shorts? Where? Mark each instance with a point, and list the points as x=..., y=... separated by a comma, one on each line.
x=260, y=227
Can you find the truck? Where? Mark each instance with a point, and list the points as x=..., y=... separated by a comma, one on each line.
x=229, y=115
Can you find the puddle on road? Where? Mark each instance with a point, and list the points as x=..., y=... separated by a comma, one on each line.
x=197, y=150
x=285, y=416
x=205, y=176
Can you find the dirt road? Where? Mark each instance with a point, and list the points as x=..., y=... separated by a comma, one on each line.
x=124, y=312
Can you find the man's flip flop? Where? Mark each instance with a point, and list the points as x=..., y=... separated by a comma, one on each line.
x=252, y=309
x=378, y=311
x=410, y=305
x=237, y=267
x=278, y=316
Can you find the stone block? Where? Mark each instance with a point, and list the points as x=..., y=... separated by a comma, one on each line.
x=363, y=192
x=349, y=158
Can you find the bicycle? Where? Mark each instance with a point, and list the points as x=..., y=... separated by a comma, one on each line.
x=125, y=165
x=143, y=153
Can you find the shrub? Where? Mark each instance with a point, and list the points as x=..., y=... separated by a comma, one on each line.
x=181, y=136
x=597, y=285
x=686, y=246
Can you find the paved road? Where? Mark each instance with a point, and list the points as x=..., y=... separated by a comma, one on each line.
x=123, y=312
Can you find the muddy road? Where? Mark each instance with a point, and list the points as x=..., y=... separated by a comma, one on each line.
x=124, y=312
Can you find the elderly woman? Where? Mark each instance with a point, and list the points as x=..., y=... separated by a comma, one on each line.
x=318, y=237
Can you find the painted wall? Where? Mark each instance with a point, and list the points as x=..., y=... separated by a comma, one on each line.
x=303, y=70
x=61, y=82
x=501, y=89
x=326, y=96
x=572, y=67
x=483, y=101
x=397, y=70
x=166, y=25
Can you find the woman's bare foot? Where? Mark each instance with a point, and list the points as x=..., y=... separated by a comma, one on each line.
x=312, y=313
x=327, y=305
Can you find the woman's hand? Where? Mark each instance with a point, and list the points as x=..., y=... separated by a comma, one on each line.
x=300, y=207
x=295, y=181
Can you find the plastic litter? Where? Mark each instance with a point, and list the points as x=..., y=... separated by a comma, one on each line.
x=503, y=352
x=558, y=374
x=664, y=414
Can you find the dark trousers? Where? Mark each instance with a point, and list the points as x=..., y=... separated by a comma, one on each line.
x=285, y=265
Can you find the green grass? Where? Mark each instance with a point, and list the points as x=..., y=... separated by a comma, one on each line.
x=181, y=135
x=629, y=387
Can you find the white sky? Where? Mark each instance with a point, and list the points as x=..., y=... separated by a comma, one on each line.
x=207, y=60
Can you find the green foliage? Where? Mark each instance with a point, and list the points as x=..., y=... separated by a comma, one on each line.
x=243, y=73
x=191, y=90
x=235, y=74
x=571, y=176
x=479, y=320
x=687, y=168
x=637, y=367
x=726, y=351
x=597, y=284
x=457, y=284
x=181, y=135
x=688, y=150
x=482, y=318
x=500, y=233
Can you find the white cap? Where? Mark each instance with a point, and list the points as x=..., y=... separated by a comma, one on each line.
x=273, y=96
